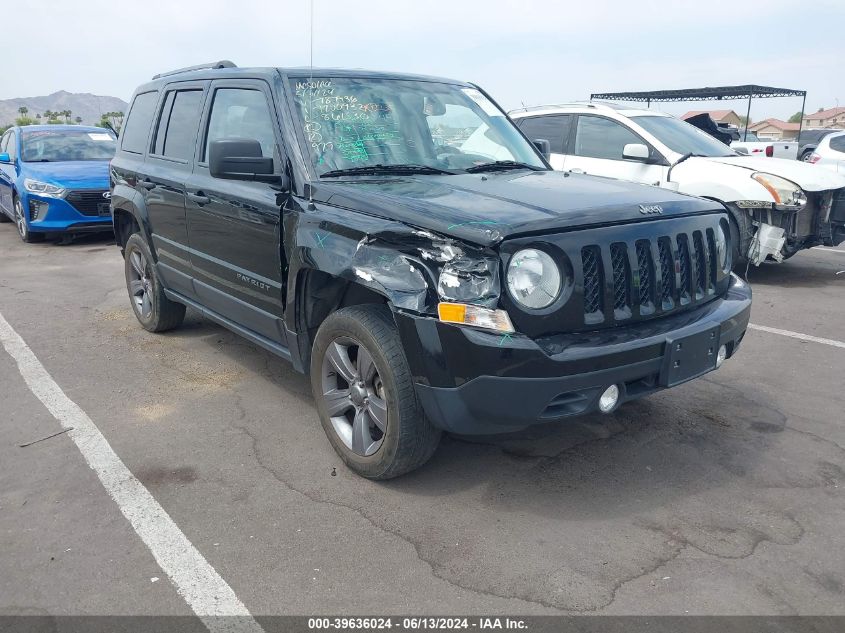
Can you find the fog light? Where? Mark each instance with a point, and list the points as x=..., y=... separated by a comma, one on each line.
x=721, y=356
x=37, y=209
x=608, y=399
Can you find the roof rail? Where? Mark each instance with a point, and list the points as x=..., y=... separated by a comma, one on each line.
x=570, y=104
x=223, y=63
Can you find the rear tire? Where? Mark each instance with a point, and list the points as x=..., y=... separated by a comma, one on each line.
x=365, y=395
x=154, y=311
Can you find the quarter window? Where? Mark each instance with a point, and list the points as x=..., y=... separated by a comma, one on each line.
x=838, y=143
x=555, y=129
x=596, y=137
x=177, y=127
x=137, y=127
x=241, y=113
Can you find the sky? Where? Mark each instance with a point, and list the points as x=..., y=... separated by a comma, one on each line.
x=528, y=52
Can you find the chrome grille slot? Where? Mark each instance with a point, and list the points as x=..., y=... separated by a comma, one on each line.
x=700, y=265
x=593, y=304
x=684, y=266
x=667, y=274
x=621, y=280
x=645, y=270
x=713, y=259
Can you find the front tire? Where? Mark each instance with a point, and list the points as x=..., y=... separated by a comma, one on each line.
x=24, y=233
x=365, y=395
x=154, y=311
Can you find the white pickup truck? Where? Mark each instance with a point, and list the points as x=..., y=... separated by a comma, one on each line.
x=755, y=146
x=777, y=206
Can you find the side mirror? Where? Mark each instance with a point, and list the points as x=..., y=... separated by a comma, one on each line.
x=5, y=158
x=239, y=159
x=544, y=147
x=741, y=150
x=635, y=151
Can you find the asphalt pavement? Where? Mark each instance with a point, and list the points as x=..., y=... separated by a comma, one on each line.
x=721, y=496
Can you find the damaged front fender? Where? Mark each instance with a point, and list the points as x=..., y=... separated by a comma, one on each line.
x=413, y=268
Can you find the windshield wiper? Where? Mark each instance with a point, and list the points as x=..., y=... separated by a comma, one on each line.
x=498, y=165
x=385, y=169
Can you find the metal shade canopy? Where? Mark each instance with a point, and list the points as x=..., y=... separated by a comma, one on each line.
x=716, y=93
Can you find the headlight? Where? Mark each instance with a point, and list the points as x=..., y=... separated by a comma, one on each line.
x=722, y=252
x=43, y=188
x=533, y=279
x=784, y=191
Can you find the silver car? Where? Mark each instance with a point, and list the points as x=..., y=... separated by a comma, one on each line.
x=830, y=153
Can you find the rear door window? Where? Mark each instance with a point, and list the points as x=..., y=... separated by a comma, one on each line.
x=176, y=133
x=136, y=130
x=554, y=129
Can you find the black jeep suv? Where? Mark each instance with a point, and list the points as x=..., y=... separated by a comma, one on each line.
x=400, y=239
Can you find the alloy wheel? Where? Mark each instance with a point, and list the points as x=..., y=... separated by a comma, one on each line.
x=354, y=396
x=140, y=283
x=20, y=220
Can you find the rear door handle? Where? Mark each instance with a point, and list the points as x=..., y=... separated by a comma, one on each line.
x=147, y=184
x=577, y=170
x=199, y=198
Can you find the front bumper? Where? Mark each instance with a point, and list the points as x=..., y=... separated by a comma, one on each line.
x=475, y=382
x=57, y=215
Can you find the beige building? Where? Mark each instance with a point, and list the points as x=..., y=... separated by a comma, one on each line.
x=832, y=117
x=774, y=129
x=728, y=117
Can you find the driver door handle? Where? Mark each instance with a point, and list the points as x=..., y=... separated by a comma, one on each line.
x=577, y=170
x=147, y=184
x=199, y=198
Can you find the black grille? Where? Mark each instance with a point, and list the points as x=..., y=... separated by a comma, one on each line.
x=621, y=276
x=657, y=281
x=89, y=202
x=667, y=274
x=592, y=283
x=646, y=273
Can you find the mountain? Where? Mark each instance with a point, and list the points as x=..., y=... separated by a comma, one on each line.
x=81, y=104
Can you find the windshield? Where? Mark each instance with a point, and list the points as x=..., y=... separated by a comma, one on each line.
x=353, y=123
x=683, y=138
x=66, y=145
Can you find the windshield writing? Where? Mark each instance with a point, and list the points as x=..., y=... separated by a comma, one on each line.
x=359, y=122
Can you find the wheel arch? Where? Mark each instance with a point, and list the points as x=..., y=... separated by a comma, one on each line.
x=129, y=216
x=317, y=294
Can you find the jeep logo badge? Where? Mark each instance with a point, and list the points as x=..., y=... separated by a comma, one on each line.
x=107, y=195
x=650, y=209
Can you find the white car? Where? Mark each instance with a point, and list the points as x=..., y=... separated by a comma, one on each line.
x=777, y=206
x=830, y=153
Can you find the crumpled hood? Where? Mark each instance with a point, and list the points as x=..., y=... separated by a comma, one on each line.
x=485, y=209
x=77, y=174
x=807, y=176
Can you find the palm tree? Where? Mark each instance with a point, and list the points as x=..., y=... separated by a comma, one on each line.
x=23, y=110
x=49, y=114
x=78, y=120
x=66, y=114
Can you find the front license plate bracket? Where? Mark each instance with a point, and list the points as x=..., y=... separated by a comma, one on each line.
x=690, y=356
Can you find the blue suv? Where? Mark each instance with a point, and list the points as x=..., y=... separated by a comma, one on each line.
x=55, y=179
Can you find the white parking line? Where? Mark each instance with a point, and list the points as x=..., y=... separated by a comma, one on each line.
x=206, y=593
x=798, y=335
x=829, y=250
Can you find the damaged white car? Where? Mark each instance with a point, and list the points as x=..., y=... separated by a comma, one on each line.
x=778, y=207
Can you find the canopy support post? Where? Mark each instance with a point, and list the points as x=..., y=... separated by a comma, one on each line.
x=747, y=119
x=801, y=120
